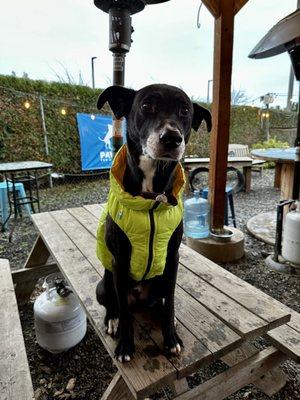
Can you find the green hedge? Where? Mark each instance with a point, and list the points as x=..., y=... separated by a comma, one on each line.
x=21, y=134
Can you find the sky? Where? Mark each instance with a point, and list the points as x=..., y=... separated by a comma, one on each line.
x=40, y=37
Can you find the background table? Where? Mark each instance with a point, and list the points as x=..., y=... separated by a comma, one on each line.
x=284, y=168
x=11, y=172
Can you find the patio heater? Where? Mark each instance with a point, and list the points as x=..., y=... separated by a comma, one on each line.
x=285, y=36
x=120, y=30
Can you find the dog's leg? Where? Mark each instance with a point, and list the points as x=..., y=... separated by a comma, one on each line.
x=106, y=296
x=119, y=245
x=172, y=341
x=125, y=348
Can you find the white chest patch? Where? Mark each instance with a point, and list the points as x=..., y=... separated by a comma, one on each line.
x=148, y=166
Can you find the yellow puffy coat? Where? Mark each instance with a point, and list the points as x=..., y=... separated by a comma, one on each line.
x=148, y=229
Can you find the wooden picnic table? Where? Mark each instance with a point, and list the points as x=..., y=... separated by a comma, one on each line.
x=238, y=162
x=217, y=314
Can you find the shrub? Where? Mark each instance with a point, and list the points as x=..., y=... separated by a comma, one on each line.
x=270, y=144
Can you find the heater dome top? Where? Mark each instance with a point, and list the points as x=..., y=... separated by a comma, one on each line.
x=133, y=6
x=274, y=42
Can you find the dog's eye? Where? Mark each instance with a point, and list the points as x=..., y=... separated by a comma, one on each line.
x=148, y=107
x=184, y=111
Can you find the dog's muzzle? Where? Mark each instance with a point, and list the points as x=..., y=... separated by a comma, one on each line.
x=170, y=139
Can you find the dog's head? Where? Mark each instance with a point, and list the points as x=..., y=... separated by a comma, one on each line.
x=159, y=118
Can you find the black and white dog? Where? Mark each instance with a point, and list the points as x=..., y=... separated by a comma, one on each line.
x=159, y=121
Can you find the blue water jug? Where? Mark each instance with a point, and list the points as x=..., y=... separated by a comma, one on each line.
x=196, y=217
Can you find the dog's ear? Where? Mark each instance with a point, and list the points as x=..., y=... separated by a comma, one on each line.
x=201, y=113
x=119, y=98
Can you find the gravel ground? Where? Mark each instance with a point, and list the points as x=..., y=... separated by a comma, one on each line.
x=85, y=371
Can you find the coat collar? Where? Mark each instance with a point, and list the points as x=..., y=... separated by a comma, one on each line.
x=146, y=201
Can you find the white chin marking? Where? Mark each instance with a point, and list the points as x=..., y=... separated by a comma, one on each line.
x=176, y=349
x=113, y=326
x=148, y=166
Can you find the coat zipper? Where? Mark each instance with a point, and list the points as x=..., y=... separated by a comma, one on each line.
x=151, y=238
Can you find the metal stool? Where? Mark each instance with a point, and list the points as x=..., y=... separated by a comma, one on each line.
x=229, y=200
x=4, y=201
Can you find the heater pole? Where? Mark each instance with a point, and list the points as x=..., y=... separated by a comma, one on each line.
x=118, y=79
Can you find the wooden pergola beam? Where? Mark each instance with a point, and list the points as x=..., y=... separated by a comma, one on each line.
x=223, y=46
x=223, y=12
x=239, y=4
x=212, y=6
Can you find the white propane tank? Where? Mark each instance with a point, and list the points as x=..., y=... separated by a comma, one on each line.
x=59, y=319
x=291, y=236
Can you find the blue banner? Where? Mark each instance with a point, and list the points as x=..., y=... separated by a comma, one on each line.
x=96, y=132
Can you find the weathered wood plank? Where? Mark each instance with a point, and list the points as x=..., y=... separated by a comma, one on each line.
x=95, y=209
x=15, y=379
x=87, y=219
x=242, y=292
x=117, y=389
x=39, y=254
x=80, y=236
x=270, y=383
x=193, y=355
x=228, y=382
x=287, y=340
x=142, y=374
x=237, y=317
x=295, y=320
x=212, y=332
x=179, y=386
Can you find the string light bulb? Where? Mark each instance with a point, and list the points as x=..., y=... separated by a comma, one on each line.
x=63, y=111
x=26, y=104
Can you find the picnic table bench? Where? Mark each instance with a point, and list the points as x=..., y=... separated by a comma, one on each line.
x=15, y=378
x=238, y=162
x=217, y=315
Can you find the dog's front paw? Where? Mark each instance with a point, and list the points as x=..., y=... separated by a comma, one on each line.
x=124, y=350
x=112, y=327
x=173, y=343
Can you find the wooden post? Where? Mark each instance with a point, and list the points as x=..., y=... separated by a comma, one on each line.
x=223, y=45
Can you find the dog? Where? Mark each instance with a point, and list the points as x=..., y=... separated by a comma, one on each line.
x=140, y=232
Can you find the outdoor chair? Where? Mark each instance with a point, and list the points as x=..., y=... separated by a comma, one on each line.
x=242, y=150
x=4, y=201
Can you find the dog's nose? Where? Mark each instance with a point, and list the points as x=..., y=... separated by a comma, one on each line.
x=170, y=139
